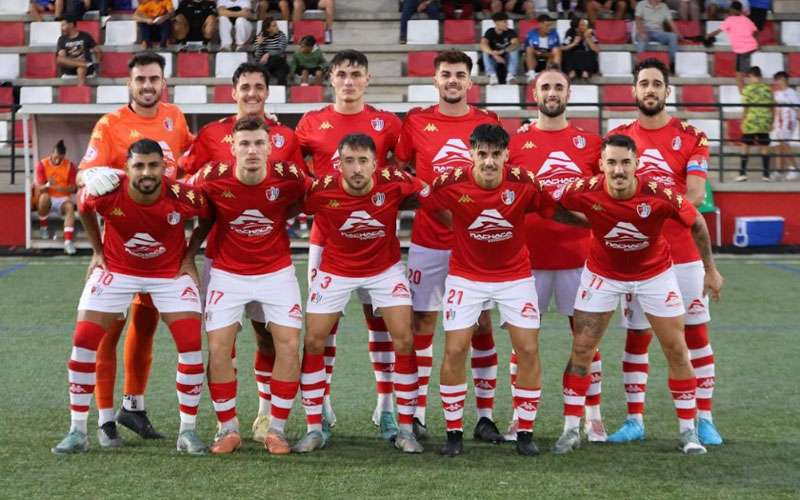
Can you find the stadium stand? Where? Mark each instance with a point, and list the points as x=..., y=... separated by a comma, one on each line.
x=457, y=31
x=12, y=34
x=423, y=32
x=308, y=27
x=307, y=94
x=68, y=94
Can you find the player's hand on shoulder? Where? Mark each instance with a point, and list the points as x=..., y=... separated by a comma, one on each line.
x=97, y=260
x=712, y=283
x=525, y=127
x=189, y=268
x=98, y=181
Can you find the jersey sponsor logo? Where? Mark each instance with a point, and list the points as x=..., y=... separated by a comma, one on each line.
x=643, y=209
x=529, y=310
x=558, y=169
x=400, y=290
x=452, y=155
x=627, y=237
x=326, y=125
x=173, y=218
x=361, y=226
x=597, y=207
x=228, y=194
x=252, y=223
x=490, y=227
x=696, y=307
x=273, y=193
x=135, y=134
x=508, y=196
x=90, y=155
x=144, y=246
x=278, y=140
x=579, y=141
x=430, y=127
x=377, y=124
x=652, y=164
x=378, y=199
x=168, y=124
x=676, y=143
x=673, y=299
x=296, y=312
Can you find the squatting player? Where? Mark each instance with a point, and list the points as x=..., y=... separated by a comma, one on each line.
x=56, y=187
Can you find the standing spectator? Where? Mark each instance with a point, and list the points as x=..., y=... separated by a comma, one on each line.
x=757, y=121
x=758, y=12
x=621, y=9
x=270, y=50
x=430, y=7
x=580, y=49
x=153, y=18
x=500, y=46
x=327, y=6
x=785, y=126
x=39, y=7
x=71, y=9
x=308, y=60
x=55, y=186
x=542, y=47
x=74, y=50
x=266, y=6
x=652, y=17
x=195, y=21
x=234, y=14
x=742, y=34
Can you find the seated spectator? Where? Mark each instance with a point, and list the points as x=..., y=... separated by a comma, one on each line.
x=687, y=9
x=652, y=17
x=410, y=7
x=542, y=47
x=266, y=6
x=785, y=126
x=327, y=6
x=74, y=50
x=307, y=61
x=234, y=15
x=521, y=7
x=39, y=7
x=500, y=46
x=153, y=18
x=622, y=9
x=195, y=21
x=757, y=121
x=71, y=9
x=460, y=9
x=580, y=49
x=758, y=12
x=55, y=186
x=270, y=50
x=742, y=34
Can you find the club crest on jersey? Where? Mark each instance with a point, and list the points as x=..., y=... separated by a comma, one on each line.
x=643, y=209
x=579, y=141
x=676, y=143
x=173, y=218
x=168, y=124
x=377, y=124
x=378, y=199
x=91, y=154
x=273, y=192
x=278, y=140
x=508, y=196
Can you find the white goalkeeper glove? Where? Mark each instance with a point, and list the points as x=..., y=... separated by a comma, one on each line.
x=100, y=180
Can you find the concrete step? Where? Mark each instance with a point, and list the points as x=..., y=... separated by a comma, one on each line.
x=358, y=34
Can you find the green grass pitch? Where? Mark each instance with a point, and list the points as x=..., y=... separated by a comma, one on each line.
x=757, y=403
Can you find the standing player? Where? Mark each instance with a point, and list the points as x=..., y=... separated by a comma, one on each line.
x=358, y=209
x=434, y=140
x=141, y=251
x=214, y=144
x=490, y=262
x=676, y=154
x=55, y=184
x=558, y=153
x=252, y=267
x=144, y=117
x=319, y=133
x=630, y=255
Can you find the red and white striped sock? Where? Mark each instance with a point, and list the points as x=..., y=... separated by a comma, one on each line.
x=223, y=396
x=262, y=368
x=683, y=395
x=312, y=388
x=635, y=366
x=526, y=404
x=423, y=344
x=575, y=387
x=382, y=357
x=190, y=372
x=303, y=221
x=283, y=394
x=82, y=368
x=702, y=358
x=484, y=373
x=69, y=231
x=406, y=386
x=595, y=388
x=330, y=358
x=453, y=404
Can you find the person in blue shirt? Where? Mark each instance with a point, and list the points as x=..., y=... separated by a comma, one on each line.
x=542, y=47
x=758, y=12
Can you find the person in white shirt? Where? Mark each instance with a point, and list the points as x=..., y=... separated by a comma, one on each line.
x=234, y=15
x=785, y=126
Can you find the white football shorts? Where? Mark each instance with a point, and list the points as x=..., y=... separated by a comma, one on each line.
x=659, y=295
x=111, y=292
x=330, y=293
x=464, y=300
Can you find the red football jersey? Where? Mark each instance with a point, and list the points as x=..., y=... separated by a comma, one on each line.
x=557, y=158
x=361, y=239
x=250, y=221
x=435, y=143
x=146, y=240
x=627, y=240
x=488, y=224
x=670, y=154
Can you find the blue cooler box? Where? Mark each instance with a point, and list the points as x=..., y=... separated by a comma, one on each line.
x=758, y=231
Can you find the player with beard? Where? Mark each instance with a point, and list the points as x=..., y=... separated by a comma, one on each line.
x=434, y=141
x=558, y=152
x=144, y=117
x=319, y=133
x=676, y=154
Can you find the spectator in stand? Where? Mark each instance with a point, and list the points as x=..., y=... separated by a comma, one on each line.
x=542, y=47
x=580, y=49
x=327, y=6
x=234, y=15
x=39, y=7
x=460, y=9
x=410, y=7
x=785, y=126
x=308, y=60
x=757, y=121
x=270, y=50
x=267, y=6
x=759, y=10
x=622, y=9
x=195, y=21
x=55, y=186
x=716, y=8
x=521, y=7
x=500, y=47
x=653, y=18
x=74, y=51
x=154, y=20
x=687, y=9
x=742, y=34
x=71, y=9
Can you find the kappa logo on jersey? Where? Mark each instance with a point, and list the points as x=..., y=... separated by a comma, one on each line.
x=529, y=310
x=273, y=192
x=490, y=227
x=377, y=124
x=189, y=294
x=144, y=246
x=326, y=125
x=400, y=290
x=558, y=169
x=696, y=307
x=528, y=406
x=117, y=212
x=643, y=209
x=361, y=226
x=452, y=155
x=430, y=127
x=296, y=312
x=579, y=141
x=627, y=237
x=465, y=199
x=652, y=163
x=528, y=145
x=508, y=196
x=278, y=140
x=378, y=199
x=673, y=299
x=173, y=218
x=252, y=223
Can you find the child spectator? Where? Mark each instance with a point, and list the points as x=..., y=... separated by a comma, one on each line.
x=500, y=46
x=757, y=121
x=74, y=50
x=270, y=50
x=153, y=18
x=742, y=34
x=785, y=126
x=307, y=61
x=580, y=49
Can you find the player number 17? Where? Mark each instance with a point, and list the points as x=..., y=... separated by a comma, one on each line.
x=214, y=296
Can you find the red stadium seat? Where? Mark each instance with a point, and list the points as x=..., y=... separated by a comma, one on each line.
x=587, y=124
x=661, y=56
x=524, y=26
x=724, y=64
x=193, y=65
x=611, y=31
x=74, y=95
x=165, y=95
x=303, y=28
x=115, y=64
x=6, y=96
x=91, y=27
x=510, y=124
x=421, y=63
x=698, y=93
x=688, y=29
x=459, y=31
x=40, y=65
x=733, y=130
x=12, y=34
x=18, y=132
x=311, y=93
x=617, y=93
x=474, y=94
x=793, y=66
x=222, y=94
x=767, y=36
x=527, y=96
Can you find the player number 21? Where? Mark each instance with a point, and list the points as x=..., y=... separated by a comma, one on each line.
x=455, y=296
x=214, y=296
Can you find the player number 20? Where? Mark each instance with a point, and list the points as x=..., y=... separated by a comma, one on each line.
x=414, y=276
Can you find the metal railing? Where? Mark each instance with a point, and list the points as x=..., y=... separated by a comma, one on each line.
x=11, y=141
